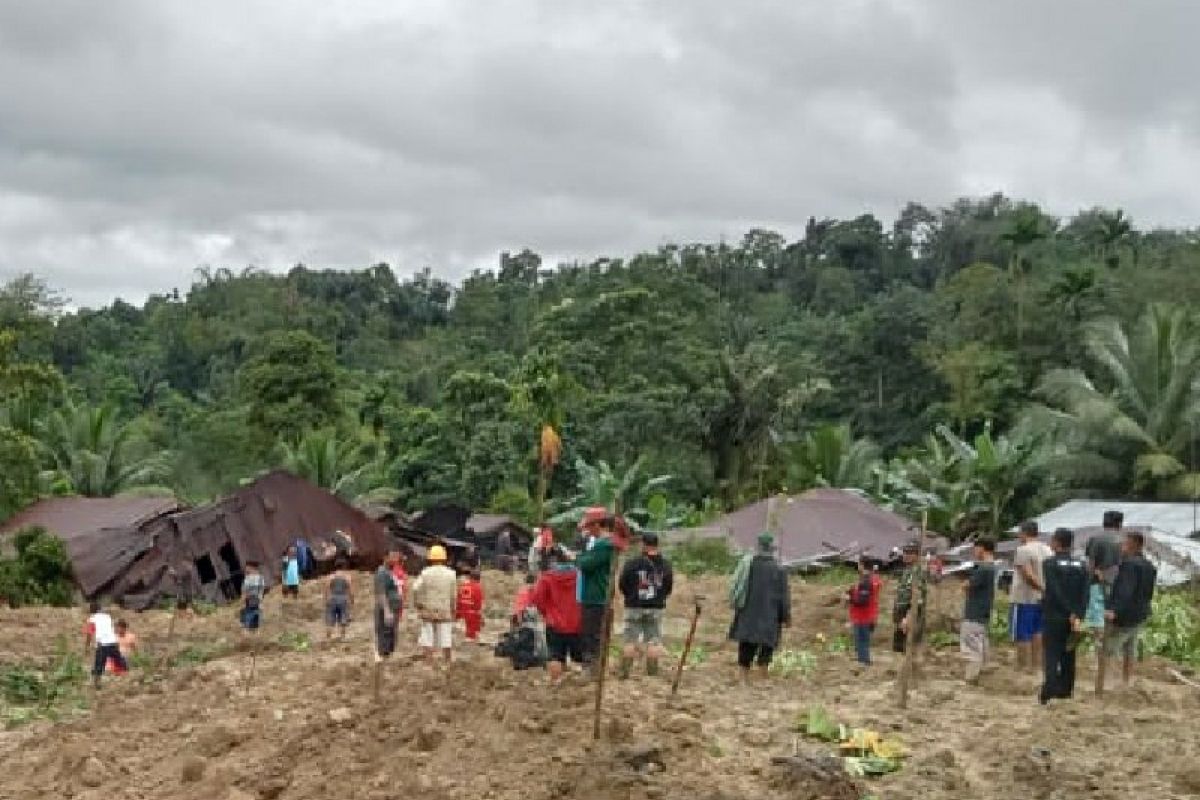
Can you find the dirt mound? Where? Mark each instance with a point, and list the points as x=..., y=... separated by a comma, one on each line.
x=308, y=727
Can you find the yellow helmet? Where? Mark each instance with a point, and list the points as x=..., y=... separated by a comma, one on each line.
x=437, y=553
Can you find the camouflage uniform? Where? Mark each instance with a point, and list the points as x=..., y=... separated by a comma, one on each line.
x=904, y=599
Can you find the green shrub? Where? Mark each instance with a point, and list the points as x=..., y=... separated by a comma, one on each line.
x=1173, y=630
x=703, y=557
x=30, y=691
x=40, y=573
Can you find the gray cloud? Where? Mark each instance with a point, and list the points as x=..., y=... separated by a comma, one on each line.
x=141, y=139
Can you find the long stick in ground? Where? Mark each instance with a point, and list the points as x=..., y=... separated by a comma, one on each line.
x=164, y=661
x=687, y=649
x=605, y=636
x=1101, y=660
x=913, y=620
x=253, y=663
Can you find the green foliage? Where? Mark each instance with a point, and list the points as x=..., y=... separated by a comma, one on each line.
x=39, y=572
x=702, y=556
x=291, y=384
x=198, y=653
x=29, y=692
x=295, y=641
x=831, y=456
x=1173, y=630
x=793, y=663
x=94, y=453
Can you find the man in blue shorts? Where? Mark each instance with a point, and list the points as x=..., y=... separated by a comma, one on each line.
x=1026, y=596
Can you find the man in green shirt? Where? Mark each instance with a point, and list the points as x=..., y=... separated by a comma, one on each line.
x=912, y=587
x=595, y=569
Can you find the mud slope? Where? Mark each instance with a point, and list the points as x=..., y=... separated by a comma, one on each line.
x=308, y=728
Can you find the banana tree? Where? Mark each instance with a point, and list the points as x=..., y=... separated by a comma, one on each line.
x=622, y=493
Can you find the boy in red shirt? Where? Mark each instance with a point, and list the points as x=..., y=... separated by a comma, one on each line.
x=523, y=600
x=555, y=599
x=864, y=609
x=470, y=605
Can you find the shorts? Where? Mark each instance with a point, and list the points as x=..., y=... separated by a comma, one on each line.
x=1025, y=622
x=1121, y=641
x=337, y=611
x=562, y=646
x=292, y=590
x=973, y=640
x=643, y=625
x=385, y=633
x=438, y=635
x=250, y=617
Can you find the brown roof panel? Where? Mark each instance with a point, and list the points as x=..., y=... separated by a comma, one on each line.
x=71, y=517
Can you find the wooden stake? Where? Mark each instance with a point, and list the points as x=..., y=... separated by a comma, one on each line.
x=910, y=641
x=687, y=649
x=164, y=661
x=1101, y=659
x=253, y=663
x=378, y=678
x=606, y=635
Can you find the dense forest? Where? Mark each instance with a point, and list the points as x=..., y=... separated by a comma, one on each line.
x=978, y=361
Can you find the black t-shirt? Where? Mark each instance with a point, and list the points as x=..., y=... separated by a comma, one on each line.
x=646, y=582
x=981, y=592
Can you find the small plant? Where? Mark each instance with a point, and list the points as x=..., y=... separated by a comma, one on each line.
x=200, y=653
x=788, y=663
x=28, y=692
x=296, y=641
x=998, y=626
x=941, y=639
x=839, y=644
x=696, y=656
x=204, y=608
x=1173, y=630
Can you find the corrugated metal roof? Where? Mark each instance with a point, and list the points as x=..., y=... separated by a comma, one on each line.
x=71, y=517
x=819, y=522
x=489, y=523
x=1170, y=527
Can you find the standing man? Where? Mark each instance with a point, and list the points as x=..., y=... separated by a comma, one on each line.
x=594, y=564
x=646, y=583
x=103, y=633
x=1026, y=594
x=504, y=551
x=1064, y=603
x=1103, y=550
x=980, y=592
x=864, y=609
x=1128, y=606
x=253, y=589
x=912, y=578
x=435, y=593
x=762, y=606
x=387, y=606
x=339, y=599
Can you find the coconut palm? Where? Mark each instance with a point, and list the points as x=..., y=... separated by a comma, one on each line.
x=95, y=454
x=348, y=467
x=1114, y=230
x=831, y=456
x=1132, y=417
x=1027, y=227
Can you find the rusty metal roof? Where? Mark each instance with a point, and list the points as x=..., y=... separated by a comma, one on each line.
x=73, y=517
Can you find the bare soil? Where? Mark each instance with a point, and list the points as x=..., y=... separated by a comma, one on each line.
x=308, y=728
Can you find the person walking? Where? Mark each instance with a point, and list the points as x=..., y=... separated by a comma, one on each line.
x=863, y=598
x=1025, y=622
x=339, y=599
x=762, y=606
x=912, y=587
x=646, y=582
x=435, y=594
x=980, y=593
x=594, y=564
x=388, y=604
x=1064, y=604
x=469, y=606
x=291, y=574
x=101, y=631
x=1128, y=606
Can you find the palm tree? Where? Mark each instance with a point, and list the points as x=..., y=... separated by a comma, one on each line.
x=1027, y=227
x=95, y=454
x=831, y=456
x=349, y=468
x=935, y=480
x=998, y=468
x=1074, y=290
x=620, y=492
x=1114, y=229
x=1138, y=407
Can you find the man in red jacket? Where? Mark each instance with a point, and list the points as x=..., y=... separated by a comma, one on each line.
x=864, y=609
x=555, y=599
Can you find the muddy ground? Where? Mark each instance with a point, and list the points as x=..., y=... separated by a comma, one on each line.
x=309, y=728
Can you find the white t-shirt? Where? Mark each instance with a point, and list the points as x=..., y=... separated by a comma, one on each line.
x=103, y=625
x=1032, y=555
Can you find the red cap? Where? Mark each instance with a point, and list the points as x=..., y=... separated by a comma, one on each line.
x=593, y=516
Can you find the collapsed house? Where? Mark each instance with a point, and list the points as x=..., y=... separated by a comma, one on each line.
x=468, y=539
x=820, y=525
x=141, y=550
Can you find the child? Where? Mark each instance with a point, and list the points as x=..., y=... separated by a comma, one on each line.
x=338, y=599
x=470, y=605
x=253, y=588
x=100, y=630
x=127, y=644
x=291, y=574
x=523, y=599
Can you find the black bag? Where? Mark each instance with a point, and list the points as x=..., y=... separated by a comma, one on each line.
x=519, y=647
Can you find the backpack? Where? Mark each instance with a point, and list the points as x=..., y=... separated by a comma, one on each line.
x=519, y=647
x=860, y=594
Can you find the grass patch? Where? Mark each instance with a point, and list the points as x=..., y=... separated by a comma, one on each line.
x=696, y=656
x=200, y=653
x=296, y=641
x=47, y=691
x=1173, y=630
x=793, y=663
x=702, y=557
x=837, y=575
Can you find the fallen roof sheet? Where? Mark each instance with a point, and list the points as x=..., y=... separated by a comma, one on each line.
x=819, y=522
x=71, y=517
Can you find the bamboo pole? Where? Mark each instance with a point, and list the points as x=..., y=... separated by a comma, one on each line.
x=910, y=642
x=687, y=649
x=606, y=635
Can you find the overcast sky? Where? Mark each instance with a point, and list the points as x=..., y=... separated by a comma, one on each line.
x=139, y=140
